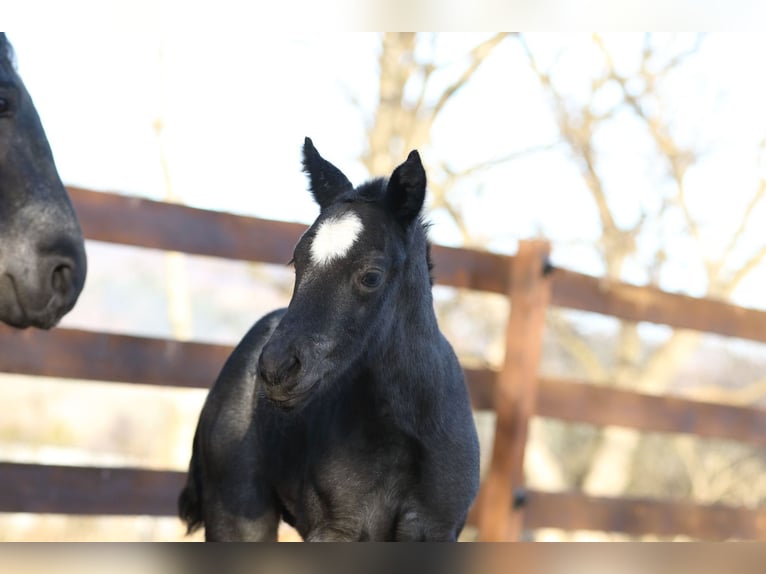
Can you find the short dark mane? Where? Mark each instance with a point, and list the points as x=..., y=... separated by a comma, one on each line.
x=371, y=191
x=426, y=225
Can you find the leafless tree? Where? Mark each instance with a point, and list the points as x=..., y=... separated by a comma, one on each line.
x=611, y=465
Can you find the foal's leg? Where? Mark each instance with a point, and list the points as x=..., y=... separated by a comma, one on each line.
x=241, y=515
x=330, y=535
x=413, y=526
x=227, y=527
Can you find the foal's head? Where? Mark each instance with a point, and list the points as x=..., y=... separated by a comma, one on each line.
x=42, y=254
x=361, y=267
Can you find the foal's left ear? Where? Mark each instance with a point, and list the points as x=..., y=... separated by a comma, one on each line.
x=327, y=182
x=406, y=189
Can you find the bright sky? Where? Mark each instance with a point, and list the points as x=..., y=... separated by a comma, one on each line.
x=237, y=104
x=236, y=109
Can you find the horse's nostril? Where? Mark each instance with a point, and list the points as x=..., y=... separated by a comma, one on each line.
x=61, y=280
x=291, y=366
x=275, y=370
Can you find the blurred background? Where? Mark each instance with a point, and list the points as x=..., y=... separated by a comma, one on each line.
x=641, y=157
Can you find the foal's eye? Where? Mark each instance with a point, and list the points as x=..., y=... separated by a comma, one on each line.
x=372, y=279
x=5, y=106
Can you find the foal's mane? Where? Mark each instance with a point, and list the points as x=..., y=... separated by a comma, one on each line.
x=372, y=192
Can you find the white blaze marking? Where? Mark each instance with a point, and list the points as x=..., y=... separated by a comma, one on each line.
x=335, y=237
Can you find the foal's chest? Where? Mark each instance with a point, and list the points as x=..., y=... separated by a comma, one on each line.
x=353, y=482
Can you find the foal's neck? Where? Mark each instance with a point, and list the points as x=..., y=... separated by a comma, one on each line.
x=412, y=335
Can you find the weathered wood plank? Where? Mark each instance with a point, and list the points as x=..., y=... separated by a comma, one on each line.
x=576, y=511
x=145, y=223
x=86, y=490
x=132, y=491
x=515, y=393
x=579, y=402
x=75, y=354
x=577, y=291
x=597, y=405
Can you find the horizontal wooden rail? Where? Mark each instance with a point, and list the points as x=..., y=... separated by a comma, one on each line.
x=631, y=302
x=86, y=490
x=145, y=223
x=575, y=511
x=598, y=405
x=76, y=354
x=131, y=491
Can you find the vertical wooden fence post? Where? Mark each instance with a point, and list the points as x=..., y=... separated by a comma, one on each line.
x=500, y=511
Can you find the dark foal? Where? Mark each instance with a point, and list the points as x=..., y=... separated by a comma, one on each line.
x=42, y=254
x=345, y=414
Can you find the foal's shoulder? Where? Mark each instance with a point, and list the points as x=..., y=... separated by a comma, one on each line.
x=228, y=406
x=260, y=332
x=241, y=364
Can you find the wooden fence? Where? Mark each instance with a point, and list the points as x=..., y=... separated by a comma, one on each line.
x=516, y=392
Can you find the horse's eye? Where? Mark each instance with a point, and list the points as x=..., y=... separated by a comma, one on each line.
x=372, y=279
x=5, y=105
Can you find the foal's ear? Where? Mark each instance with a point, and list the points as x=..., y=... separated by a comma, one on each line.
x=406, y=189
x=327, y=181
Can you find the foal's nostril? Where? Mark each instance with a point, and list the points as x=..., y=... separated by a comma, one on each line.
x=273, y=369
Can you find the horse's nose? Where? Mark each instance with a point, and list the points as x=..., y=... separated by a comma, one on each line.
x=278, y=364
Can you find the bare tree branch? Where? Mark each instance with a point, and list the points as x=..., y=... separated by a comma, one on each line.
x=681, y=57
x=678, y=159
x=514, y=155
x=739, y=275
x=577, y=132
x=441, y=201
x=477, y=55
x=755, y=201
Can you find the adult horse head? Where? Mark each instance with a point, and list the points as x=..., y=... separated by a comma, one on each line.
x=42, y=255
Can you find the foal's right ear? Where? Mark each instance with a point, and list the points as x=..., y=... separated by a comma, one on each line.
x=327, y=182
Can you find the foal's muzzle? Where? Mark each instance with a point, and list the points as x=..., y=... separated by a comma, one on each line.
x=278, y=367
x=285, y=369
